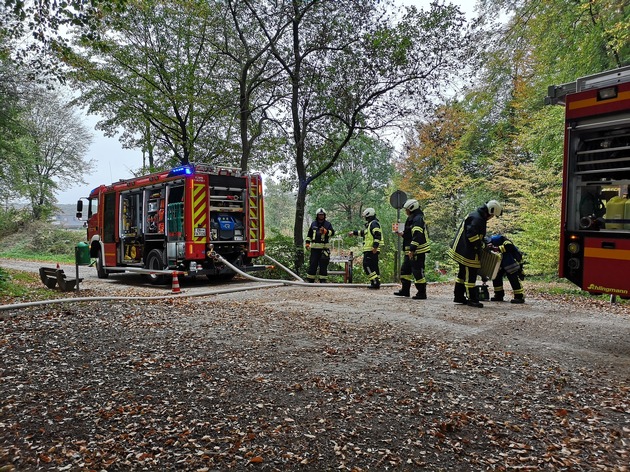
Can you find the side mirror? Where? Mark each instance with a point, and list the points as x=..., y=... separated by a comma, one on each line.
x=79, y=209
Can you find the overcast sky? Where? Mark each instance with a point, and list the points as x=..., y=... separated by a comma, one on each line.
x=113, y=163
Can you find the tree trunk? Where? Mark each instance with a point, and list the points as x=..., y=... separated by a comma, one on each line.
x=244, y=120
x=298, y=230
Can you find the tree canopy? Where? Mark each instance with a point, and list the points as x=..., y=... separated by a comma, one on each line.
x=305, y=90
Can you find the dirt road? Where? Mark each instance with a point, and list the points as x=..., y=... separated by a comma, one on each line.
x=585, y=331
x=313, y=378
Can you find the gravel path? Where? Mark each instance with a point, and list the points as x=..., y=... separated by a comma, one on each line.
x=314, y=378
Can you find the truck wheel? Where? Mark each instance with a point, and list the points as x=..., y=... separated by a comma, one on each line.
x=101, y=273
x=154, y=262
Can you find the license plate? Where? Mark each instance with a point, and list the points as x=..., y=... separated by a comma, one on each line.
x=200, y=232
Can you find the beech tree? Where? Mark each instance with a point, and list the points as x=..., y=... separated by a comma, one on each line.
x=50, y=153
x=351, y=68
x=249, y=64
x=9, y=112
x=358, y=180
x=151, y=73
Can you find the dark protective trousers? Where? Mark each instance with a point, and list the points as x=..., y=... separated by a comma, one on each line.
x=465, y=283
x=370, y=266
x=319, y=260
x=515, y=282
x=413, y=269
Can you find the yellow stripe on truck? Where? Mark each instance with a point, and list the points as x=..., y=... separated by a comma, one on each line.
x=200, y=212
x=617, y=254
x=591, y=102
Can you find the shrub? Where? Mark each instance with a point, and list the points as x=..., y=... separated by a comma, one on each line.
x=12, y=220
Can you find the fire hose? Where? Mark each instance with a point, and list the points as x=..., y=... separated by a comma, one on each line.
x=289, y=282
x=268, y=283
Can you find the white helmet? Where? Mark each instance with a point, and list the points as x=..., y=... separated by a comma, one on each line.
x=368, y=212
x=411, y=204
x=320, y=211
x=494, y=208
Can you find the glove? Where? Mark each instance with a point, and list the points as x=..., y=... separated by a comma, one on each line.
x=323, y=230
x=308, y=246
x=411, y=254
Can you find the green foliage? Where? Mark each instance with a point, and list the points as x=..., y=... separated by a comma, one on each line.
x=282, y=249
x=8, y=287
x=46, y=154
x=42, y=241
x=11, y=220
x=279, y=209
x=356, y=181
x=13, y=284
x=148, y=74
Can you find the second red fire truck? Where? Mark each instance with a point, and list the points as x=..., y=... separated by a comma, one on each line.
x=177, y=220
x=595, y=231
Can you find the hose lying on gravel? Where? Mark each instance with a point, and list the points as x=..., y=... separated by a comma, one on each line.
x=156, y=297
x=269, y=283
x=291, y=282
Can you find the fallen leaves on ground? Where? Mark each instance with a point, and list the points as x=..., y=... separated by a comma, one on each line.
x=204, y=384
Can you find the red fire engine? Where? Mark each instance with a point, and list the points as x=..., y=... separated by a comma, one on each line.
x=595, y=232
x=177, y=220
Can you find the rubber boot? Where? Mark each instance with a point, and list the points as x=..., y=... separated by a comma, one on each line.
x=375, y=284
x=460, y=294
x=422, y=292
x=519, y=298
x=497, y=297
x=474, y=299
x=404, y=291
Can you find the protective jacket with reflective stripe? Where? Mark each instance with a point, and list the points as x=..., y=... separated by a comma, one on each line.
x=315, y=238
x=372, y=235
x=414, y=235
x=512, y=257
x=468, y=240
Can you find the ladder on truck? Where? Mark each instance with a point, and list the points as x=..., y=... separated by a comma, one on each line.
x=254, y=213
x=556, y=93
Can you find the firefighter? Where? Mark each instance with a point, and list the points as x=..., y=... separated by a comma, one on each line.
x=372, y=238
x=511, y=267
x=466, y=249
x=318, y=242
x=415, y=245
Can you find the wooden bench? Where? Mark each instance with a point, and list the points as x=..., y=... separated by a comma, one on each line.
x=51, y=277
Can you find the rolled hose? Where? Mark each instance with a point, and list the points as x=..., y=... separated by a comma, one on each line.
x=268, y=283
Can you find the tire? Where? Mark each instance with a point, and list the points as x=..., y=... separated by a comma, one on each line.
x=101, y=273
x=155, y=262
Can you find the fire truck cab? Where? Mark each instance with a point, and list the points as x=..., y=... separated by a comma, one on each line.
x=595, y=231
x=177, y=220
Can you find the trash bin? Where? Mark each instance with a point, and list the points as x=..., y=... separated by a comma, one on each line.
x=82, y=254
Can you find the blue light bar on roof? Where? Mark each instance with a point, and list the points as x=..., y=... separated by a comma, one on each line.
x=182, y=170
